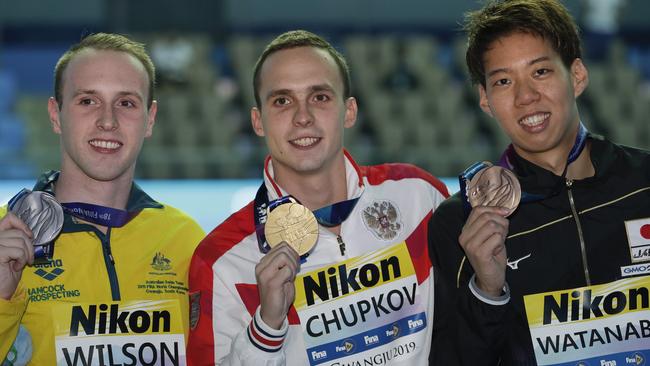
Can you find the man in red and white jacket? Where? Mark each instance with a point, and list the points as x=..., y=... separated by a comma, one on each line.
x=364, y=293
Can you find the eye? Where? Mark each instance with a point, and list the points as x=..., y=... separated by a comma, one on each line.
x=501, y=82
x=321, y=97
x=126, y=103
x=542, y=72
x=86, y=101
x=281, y=101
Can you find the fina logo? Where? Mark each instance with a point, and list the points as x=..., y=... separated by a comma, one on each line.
x=347, y=346
x=637, y=359
x=393, y=332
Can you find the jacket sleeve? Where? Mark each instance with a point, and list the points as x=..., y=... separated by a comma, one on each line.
x=11, y=311
x=466, y=330
x=225, y=333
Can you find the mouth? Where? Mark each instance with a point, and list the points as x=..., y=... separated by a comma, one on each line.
x=105, y=145
x=534, y=120
x=305, y=142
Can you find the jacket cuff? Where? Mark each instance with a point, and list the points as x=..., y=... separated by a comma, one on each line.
x=489, y=299
x=264, y=337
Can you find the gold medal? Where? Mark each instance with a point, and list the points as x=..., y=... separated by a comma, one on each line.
x=294, y=224
x=494, y=186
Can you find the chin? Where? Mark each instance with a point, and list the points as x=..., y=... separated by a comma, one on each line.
x=105, y=175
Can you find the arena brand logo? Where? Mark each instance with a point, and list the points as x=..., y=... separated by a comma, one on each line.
x=43, y=272
x=583, y=306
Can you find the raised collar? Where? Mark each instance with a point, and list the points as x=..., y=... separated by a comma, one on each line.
x=537, y=180
x=354, y=179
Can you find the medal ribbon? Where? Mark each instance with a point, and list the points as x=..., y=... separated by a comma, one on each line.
x=505, y=161
x=100, y=215
x=329, y=216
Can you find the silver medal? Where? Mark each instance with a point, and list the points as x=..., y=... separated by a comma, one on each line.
x=41, y=212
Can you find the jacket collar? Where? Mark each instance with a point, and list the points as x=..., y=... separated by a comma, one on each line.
x=537, y=180
x=354, y=179
x=137, y=201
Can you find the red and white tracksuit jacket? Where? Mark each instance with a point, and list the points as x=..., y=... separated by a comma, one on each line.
x=373, y=305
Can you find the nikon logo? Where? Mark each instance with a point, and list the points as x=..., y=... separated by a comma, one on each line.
x=341, y=281
x=114, y=321
x=583, y=306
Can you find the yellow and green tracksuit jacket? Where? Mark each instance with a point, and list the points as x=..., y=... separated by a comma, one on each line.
x=114, y=298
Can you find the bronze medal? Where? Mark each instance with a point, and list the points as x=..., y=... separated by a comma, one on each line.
x=494, y=186
x=294, y=224
x=42, y=214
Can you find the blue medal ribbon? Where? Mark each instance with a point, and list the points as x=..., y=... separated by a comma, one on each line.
x=329, y=216
x=505, y=161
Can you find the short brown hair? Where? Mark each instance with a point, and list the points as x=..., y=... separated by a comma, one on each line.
x=548, y=19
x=105, y=42
x=301, y=38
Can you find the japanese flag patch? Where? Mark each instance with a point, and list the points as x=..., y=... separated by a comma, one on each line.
x=638, y=238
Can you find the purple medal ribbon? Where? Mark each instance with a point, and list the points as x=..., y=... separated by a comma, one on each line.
x=579, y=145
x=100, y=215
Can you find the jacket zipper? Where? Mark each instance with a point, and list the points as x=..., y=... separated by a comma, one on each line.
x=585, y=264
x=341, y=244
x=109, y=261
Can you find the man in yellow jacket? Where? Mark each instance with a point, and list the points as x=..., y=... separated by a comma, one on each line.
x=111, y=288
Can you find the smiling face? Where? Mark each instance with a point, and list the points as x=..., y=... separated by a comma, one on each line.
x=532, y=95
x=303, y=111
x=103, y=118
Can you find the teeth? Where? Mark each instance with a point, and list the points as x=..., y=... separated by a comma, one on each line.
x=305, y=141
x=105, y=144
x=535, y=119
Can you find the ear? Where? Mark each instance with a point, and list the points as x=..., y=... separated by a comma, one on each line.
x=483, y=100
x=256, y=121
x=53, y=112
x=151, y=118
x=579, y=77
x=350, y=112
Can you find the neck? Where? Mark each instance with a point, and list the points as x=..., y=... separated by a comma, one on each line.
x=582, y=167
x=556, y=161
x=72, y=187
x=315, y=190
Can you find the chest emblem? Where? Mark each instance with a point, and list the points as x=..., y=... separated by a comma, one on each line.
x=382, y=218
x=638, y=238
x=160, y=263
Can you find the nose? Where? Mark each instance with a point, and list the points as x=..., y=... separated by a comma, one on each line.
x=526, y=93
x=107, y=121
x=303, y=115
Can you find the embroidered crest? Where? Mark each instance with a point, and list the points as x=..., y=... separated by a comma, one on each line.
x=160, y=263
x=382, y=218
x=195, y=308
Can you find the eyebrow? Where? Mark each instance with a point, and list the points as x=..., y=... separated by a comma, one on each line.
x=505, y=69
x=313, y=88
x=93, y=92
